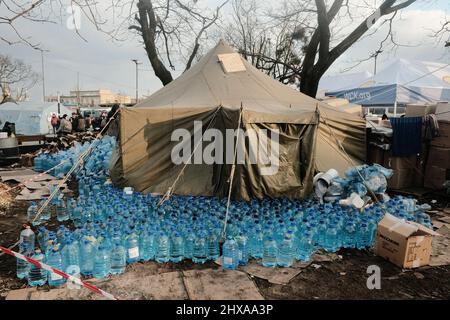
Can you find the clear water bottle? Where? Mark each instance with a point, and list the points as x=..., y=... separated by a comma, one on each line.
x=269, y=259
x=61, y=211
x=230, y=254
x=41, y=236
x=189, y=244
x=162, y=252
x=31, y=214
x=176, y=248
x=349, y=235
x=305, y=246
x=200, y=254
x=132, y=246
x=363, y=236
x=285, y=256
x=256, y=244
x=331, y=238
x=54, y=259
x=102, y=262
x=146, y=246
x=23, y=267
x=87, y=252
x=37, y=276
x=213, y=246
x=71, y=254
x=118, y=258
x=28, y=237
x=46, y=214
x=242, y=243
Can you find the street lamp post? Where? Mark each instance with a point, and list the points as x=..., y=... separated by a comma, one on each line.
x=137, y=78
x=375, y=56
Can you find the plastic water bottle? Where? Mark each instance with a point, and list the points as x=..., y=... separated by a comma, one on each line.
x=230, y=256
x=285, y=256
x=189, y=244
x=176, y=248
x=213, y=246
x=242, y=243
x=87, y=252
x=55, y=260
x=162, y=250
x=71, y=254
x=305, y=246
x=23, y=267
x=28, y=237
x=349, y=235
x=46, y=214
x=31, y=214
x=363, y=236
x=331, y=238
x=41, y=236
x=132, y=246
x=256, y=244
x=102, y=262
x=200, y=254
x=61, y=211
x=37, y=276
x=118, y=258
x=269, y=259
x=146, y=246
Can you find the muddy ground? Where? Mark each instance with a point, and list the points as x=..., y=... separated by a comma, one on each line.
x=341, y=279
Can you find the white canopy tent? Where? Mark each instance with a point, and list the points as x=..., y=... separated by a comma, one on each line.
x=31, y=118
x=401, y=83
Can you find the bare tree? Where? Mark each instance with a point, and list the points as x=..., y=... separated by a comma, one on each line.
x=309, y=35
x=168, y=29
x=16, y=78
x=273, y=47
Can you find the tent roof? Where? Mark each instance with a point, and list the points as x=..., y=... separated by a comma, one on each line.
x=344, y=81
x=207, y=85
x=29, y=106
x=414, y=73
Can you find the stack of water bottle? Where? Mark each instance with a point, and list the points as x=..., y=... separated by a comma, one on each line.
x=96, y=162
x=114, y=227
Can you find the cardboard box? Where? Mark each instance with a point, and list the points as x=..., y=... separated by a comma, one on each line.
x=435, y=177
x=396, y=163
x=439, y=157
x=418, y=110
x=443, y=140
x=402, y=178
x=404, y=243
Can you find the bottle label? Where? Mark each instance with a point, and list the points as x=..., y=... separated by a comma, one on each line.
x=133, y=252
x=55, y=276
x=227, y=260
x=240, y=255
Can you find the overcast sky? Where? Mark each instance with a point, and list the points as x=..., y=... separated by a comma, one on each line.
x=104, y=64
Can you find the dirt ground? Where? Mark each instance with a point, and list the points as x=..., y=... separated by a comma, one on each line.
x=341, y=279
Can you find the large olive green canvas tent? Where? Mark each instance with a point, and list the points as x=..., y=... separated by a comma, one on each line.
x=221, y=91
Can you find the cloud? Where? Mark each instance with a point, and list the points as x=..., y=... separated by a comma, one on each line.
x=104, y=64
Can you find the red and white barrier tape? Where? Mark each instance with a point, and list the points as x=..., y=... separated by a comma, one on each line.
x=44, y=266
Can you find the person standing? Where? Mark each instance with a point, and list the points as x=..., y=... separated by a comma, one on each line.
x=81, y=127
x=65, y=126
x=54, y=122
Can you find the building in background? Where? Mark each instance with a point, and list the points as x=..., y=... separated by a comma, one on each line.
x=91, y=98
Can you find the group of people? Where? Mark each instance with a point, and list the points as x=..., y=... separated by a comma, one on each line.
x=76, y=123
